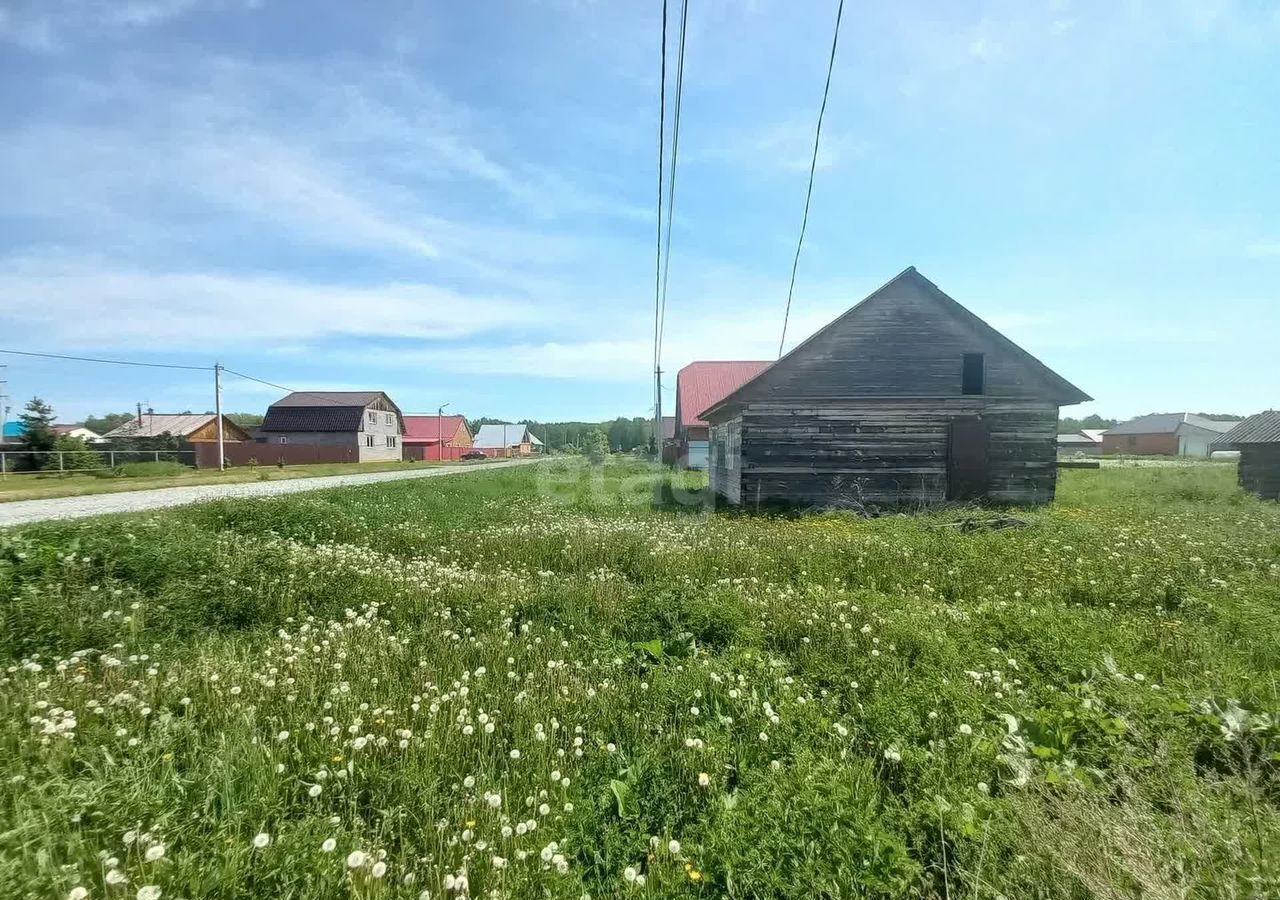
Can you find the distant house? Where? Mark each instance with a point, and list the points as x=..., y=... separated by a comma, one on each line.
x=351, y=426
x=1086, y=440
x=13, y=432
x=1165, y=434
x=433, y=437
x=78, y=430
x=701, y=385
x=668, y=428
x=1258, y=440
x=188, y=428
x=507, y=440
x=906, y=398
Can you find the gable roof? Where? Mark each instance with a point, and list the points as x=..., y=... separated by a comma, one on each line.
x=500, y=437
x=703, y=384
x=429, y=429
x=1169, y=423
x=1263, y=428
x=1063, y=391
x=324, y=411
x=176, y=424
x=329, y=398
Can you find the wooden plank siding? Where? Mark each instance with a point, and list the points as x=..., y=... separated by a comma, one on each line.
x=209, y=432
x=723, y=463
x=1260, y=470
x=885, y=451
x=900, y=342
x=907, y=398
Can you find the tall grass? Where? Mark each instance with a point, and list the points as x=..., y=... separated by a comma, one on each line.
x=480, y=685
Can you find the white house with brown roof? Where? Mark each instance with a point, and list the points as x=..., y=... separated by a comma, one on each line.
x=364, y=426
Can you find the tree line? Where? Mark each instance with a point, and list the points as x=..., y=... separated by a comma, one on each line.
x=103, y=424
x=620, y=434
x=1069, y=425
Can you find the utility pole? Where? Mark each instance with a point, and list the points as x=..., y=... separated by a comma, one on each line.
x=440, y=429
x=217, y=411
x=657, y=414
x=4, y=416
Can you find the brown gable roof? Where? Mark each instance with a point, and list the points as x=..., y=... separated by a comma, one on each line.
x=1062, y=390
x=325, y=411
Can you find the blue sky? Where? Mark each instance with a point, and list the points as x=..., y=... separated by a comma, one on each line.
x=454, y=201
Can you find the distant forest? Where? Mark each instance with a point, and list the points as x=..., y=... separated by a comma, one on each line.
x=620, y=433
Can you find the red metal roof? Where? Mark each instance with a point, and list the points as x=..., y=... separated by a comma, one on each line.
x=701, y=385
x=426, y=429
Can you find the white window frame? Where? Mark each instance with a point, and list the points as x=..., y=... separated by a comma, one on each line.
x=368, y=440
x=373, y=417
x=283, y=439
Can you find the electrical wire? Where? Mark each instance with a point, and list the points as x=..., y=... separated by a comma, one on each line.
x=671, y=190
x=317, y=395
x=657, y=265
x=110, y=362
x=813, y=166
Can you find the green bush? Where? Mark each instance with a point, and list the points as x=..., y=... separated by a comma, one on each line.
x=76, y=455
x=151, y=469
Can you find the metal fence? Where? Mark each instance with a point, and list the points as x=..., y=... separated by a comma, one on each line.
x=66, y=462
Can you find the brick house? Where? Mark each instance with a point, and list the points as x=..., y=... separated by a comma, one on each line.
x=1165, y=434
x=435, y=437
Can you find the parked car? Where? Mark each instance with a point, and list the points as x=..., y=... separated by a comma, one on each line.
x=474, y=454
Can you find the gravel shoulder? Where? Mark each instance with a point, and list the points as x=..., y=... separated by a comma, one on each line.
x=21, y=512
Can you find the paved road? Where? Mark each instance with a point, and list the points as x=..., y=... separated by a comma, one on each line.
x=22, y=511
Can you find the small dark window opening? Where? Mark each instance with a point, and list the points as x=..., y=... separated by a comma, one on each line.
x=973, y=376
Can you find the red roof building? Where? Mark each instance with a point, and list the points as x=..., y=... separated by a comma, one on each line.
x=433, y=437
x=700, y=386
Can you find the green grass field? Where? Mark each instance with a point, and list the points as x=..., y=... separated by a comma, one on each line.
x=19, y=486
x=496, y=686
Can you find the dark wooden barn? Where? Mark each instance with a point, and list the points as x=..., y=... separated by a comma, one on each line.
x=1258, y=440
x=906, y=398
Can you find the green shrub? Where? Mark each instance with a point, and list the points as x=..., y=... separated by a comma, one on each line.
x=151, y=469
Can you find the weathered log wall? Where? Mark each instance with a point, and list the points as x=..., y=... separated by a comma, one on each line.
x=725, y=456
x=879, y=451
x=1260, y=470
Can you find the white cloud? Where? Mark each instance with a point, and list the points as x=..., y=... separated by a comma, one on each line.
x=1263, y=249
x=81, y=303
x=52, y=25
x=786, y=145
x=371, y=159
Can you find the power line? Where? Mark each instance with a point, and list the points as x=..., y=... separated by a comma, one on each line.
x=318, y=396
x=671, y=190
x=813, y=165
x=110, y=362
